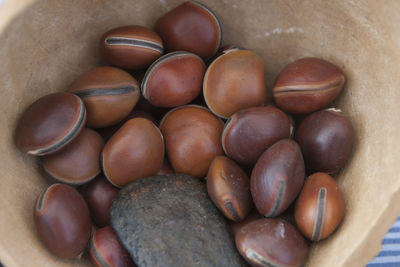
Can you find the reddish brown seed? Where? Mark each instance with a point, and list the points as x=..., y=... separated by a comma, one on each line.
x=99, y=194
x=109, y=131
x=165, y=168
x=109, y=95
x=79, y=161
x=174, y=79
x=236, y=226
x=62, y=220
x=235, y=81
x=277, y=178
x=271, y=242
x=50, y=123
x=192, y=137
x=131, y=47
x=190, y=27
x=107, y=251
x=326, y=140
x=229, y=188
x=307, y=85
x=320, y=207
x=135, y=151
x=249, y=132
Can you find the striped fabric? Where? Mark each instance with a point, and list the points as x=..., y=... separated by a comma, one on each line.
x=390, y=253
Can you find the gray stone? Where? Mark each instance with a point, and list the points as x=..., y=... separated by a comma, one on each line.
x=169, y=220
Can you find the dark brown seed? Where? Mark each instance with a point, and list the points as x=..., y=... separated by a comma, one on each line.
x=109, y=95
x=271, y=242
x=192, y=139
x=277, y=178
x=326, y=140
x=135, y=151
x=190, y=27
x=62, y=220
x=307, y=85
x=99, y=194
x=320, y=207
x=131, y=47
x=173, y=80
x=229, y=188
x=50, y=123
x=106, y=250
x=79, y=161
x=249, y=132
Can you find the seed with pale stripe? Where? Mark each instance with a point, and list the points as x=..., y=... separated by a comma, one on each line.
x=50, y=123
x=320, y=207
x=109, y=95
x=307, y=85
x=131, y=47
x=277, y=178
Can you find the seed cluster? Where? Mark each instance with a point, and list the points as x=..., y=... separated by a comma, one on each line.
x=200, y=110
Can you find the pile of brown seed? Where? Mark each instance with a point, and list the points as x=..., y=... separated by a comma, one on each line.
x=201, y=110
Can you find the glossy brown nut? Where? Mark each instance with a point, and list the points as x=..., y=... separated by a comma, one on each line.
x=236, y=226
x=307, y=85
x=50, y=123
x=79, y=161
x=99, y=194
x=249, y=132
x=277, y=178
x=62, y=220
x=135, y=151
x=326, y=140
x=109, y=131
x=235, y=81
x=107, y=251
x=174, y=79
x=192, y=137
x=271, y=242
x=320, y=207
x=190, y=27
x=109, y=95
x=229, y=188
x=131, y=47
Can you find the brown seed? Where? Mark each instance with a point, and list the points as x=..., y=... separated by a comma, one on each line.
x=174, y=79
x=135, y=151
x=192, y=139
x=320, y=207
x=109, y=95
x=50, y=123
x=277, y=178
x=326, y=140
x=109, y=131
x=79, y=161
x=271, y=242
x=131, y=47
x=249, y=132
x=307, y=85
x=229, y=188
x=190, y=27
x=62, y=220
x=99, y=194
x=235, y=81
x=107, y=251
x=236, y=226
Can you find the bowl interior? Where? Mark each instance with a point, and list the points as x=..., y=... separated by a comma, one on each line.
x=49, y=43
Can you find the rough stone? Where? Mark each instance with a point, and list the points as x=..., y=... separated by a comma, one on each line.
x=169, y=220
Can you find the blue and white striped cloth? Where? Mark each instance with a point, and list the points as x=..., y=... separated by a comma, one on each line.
x=390, y=253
